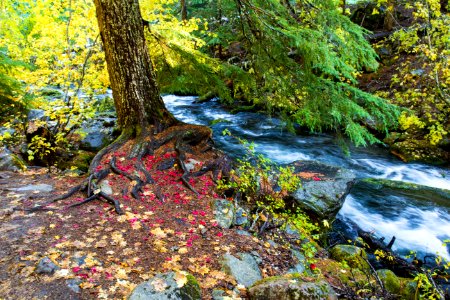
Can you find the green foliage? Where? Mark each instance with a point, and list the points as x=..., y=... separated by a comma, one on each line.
x=265, y=187
x=422, y=79
x=12, y=100
x=255, y=177
x=302, y=59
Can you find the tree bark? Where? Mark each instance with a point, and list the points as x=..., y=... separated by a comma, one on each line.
x=136, y=95
x=184, y=15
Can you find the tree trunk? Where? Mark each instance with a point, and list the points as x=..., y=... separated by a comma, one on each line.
x=135, y=91
x=389, y=18
x=183, y=10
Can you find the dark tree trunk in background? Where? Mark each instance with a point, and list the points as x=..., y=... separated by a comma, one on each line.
x=183, y=10
x=389, y=18
x=135, y=91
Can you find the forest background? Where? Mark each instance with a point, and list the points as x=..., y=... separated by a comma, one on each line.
x=313, y=63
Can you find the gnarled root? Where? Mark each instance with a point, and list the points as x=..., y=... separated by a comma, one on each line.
x=183, y=139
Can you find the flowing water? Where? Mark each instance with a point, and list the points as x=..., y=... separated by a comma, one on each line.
x=418, y=223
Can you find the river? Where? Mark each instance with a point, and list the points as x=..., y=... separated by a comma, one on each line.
x=418, y=224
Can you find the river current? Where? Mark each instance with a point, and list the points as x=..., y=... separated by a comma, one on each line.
x=420, y=225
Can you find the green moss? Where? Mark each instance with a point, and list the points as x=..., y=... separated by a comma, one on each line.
x=352, y=255
x=390, y=280
x=81, y=161
x=416, y=191
x=18, y=162
x=192, y=288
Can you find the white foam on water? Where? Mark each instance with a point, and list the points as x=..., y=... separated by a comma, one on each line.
x=173, y=100
x=415, y=173
x=280, y=155
x=415, y=229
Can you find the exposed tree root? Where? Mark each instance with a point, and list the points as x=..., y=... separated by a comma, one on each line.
x=183, y=139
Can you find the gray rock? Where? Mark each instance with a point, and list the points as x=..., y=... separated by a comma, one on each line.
x=164, y=286
x=10, y=161
x=245, y=270
x=94, y=141
x=240, y=217
x=385, y=187
x=219, y=295
x=106, y=188
x=36, y=114
x=301, y=266
x=74, y=284
x=223, y=212
x=41, y=187
x=243, y=232
x=322, y=198
x=46, y=266
x=290, y=229
x=99, y=132
x=6, y=130
x=291, y=288
x=191, y=164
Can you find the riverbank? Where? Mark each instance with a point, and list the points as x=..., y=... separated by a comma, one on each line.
x=91, y=252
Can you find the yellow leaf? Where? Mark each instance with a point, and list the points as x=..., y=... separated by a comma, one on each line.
x=180, y=278
x=121, y=274
x=158, y=232
x=183, y=250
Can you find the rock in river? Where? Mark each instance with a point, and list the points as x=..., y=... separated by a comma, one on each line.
x=323, y=189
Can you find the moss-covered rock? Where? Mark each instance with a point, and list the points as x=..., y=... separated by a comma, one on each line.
x=390, y=281
x=165, y=286
x=408, y=289
x=290, y=287
x=354, y=256
x=81, y=160
x=10, y=161
x=412, y=190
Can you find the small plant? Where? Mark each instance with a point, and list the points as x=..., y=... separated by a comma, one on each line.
x=265, y=187
x=262, y=182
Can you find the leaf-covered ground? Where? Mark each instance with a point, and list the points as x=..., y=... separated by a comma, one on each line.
x=109, y=253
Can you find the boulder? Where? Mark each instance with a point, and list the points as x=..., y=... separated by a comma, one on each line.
x=302, y=264
x=354, y=256
x=36, y=114
x=223, y=212
x=343, y=230
x=168, y=286
x=46, y=266
x=244, y=269
x=290, y=287
x=390, y=281
x=99, y=132
x=323, y=189
x=240, y=217
x=411, y=190
x=10, y=161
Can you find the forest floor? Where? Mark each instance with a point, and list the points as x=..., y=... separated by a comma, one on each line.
x=99, y=254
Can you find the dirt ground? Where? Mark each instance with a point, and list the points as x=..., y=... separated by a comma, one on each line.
x=99, y=254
